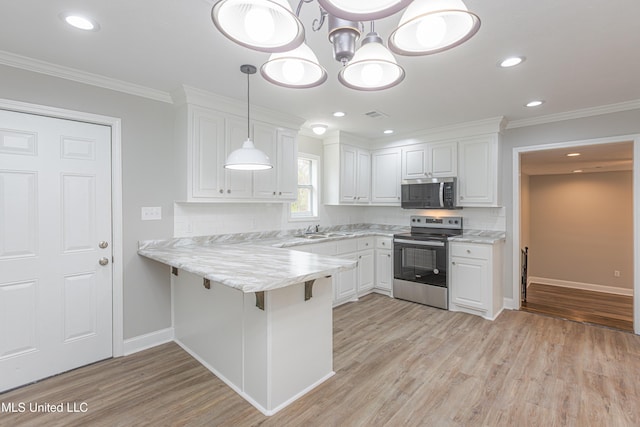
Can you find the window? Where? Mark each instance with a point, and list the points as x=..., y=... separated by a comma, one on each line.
x=307, y=204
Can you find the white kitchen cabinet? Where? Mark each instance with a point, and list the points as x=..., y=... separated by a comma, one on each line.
x=384, y=265
x=211, y=135
x=476, y=278
x=432, y=160
x=385, y=176
x=479, y=171
x=279, y=183
x=347, y=175
x=366, y=272
x=352, y=284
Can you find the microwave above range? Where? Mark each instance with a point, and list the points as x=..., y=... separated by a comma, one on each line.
x=429, y=193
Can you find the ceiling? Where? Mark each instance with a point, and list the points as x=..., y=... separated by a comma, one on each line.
x=592, y=158
x=579, y=54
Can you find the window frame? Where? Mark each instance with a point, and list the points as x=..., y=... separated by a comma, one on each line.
x=314, y=187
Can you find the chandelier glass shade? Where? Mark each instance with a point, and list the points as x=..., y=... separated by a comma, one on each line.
x=262, y=25
x=426, y=27
x=373, y=67
x=298, y=68
x=432, y=26
x=359, y=10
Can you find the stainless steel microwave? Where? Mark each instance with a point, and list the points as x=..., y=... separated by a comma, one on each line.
x=429, y=193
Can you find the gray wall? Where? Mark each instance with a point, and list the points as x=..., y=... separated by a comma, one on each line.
x=606, y=125
x=147, y=175
x=581, y=228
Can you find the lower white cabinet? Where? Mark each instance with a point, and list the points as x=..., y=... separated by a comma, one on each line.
x=384, y=265
x=373, y=273
x=366, y=271
x=345, y=283
x=476, y=278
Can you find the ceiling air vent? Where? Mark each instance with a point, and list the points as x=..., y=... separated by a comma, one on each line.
x=375, y=114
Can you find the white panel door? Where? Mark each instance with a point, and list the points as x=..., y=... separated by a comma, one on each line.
x=55, y=210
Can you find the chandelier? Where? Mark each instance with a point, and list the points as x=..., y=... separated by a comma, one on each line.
x=426, y=27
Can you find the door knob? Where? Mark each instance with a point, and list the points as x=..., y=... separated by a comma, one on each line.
x=103, y=261
x=103, y=245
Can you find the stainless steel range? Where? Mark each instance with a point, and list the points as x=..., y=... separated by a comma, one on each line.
x=421, y=258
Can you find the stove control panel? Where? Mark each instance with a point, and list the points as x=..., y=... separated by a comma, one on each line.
x=453, y=222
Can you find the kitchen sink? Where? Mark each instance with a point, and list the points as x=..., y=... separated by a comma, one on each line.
x=313, y=236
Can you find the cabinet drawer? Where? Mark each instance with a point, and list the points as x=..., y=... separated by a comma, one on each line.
x=347, y=246
x=470, y=250
x=384, y=243
x=365, y=243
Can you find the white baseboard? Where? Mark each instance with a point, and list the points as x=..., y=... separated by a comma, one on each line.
x=509, y=303
x=582, y=286
x=152, y=339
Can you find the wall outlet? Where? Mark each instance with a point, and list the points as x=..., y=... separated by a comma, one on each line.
x=616, y=273
x=151, y=213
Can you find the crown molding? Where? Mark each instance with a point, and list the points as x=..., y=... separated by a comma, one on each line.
x=460, y=130
x=575, y=114
x=42, y=67
x=202, y=98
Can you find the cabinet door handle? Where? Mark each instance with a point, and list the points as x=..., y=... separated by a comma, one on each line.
x=221, y=191
x=468, y=251
x=279, y=193
x=228, y=191
x=453, y=263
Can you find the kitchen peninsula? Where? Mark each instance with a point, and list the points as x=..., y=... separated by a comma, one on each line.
x=259, y=317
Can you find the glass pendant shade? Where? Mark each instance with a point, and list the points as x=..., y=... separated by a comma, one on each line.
x=432, y=26
x=298, y=68
x=262, y=25
x=373, y=67
x=360, y=10
x=248, y=158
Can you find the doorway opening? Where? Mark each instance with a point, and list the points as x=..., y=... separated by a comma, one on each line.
x=576, y=225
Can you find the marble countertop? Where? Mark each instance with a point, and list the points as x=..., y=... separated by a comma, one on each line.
x=263, y=261
x=254, y=262
x=480, y=236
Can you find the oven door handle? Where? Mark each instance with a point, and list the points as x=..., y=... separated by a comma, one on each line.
x=419, y=242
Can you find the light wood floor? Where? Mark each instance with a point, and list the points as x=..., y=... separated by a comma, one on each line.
x=614, y=311
x=397, y=363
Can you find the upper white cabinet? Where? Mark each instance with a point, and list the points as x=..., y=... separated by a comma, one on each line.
x=211, y=135
x=282, y=148
x=385, y=176
x=347, y=174
x=430, y=160
x=479, y=173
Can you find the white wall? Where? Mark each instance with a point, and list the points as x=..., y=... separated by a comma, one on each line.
x=147, y=129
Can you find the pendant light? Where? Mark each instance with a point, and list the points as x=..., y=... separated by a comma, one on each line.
x=298, y=68
x=262, y=25
x=432, y=26
x=248, y=157
x=373, y=67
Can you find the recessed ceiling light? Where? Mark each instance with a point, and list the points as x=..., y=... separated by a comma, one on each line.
x=319, y=129
x=534, y=103
x=388, y=131
x=339, y=114
x=573, y=154
x=577, y=171
x=511, y=61
x=80, y=22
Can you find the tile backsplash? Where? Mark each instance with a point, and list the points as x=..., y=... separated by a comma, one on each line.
x=203, y=219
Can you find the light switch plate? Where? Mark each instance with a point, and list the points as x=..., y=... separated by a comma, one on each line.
x=151, y=213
